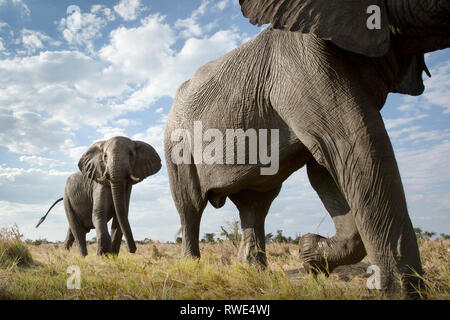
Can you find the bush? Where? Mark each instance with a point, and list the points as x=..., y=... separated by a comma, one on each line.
x=13, y=251
x=232, y=232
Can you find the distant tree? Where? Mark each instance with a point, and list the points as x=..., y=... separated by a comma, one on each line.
x=232, y=232
x=279, y=237
x=424, y=234
x=179, y=240
x=296, y=239
x=445, y=236
x=269, y=237
x=208, y=238
x=38, y=242
x=145, y=241
x=418, y=232
x=428, y=235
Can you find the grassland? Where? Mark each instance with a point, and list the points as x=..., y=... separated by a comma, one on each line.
x=157, y=271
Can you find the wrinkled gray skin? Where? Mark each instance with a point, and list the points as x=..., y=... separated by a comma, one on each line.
x=101, y=192
x=321, y=77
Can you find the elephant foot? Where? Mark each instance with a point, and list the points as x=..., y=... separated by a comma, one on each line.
x=313, y=251
x=252, y=254
x=192, y=253
x=104, y=248
x=132, y=248
x=101, y=252
x=67, y=246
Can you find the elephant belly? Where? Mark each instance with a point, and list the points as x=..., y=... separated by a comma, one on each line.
x=224, y=180
x=77, y=191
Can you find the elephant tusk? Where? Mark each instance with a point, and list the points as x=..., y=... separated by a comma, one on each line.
x=102, y=179
x=134, y=178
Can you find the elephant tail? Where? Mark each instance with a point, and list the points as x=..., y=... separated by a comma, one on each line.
x=43, y=218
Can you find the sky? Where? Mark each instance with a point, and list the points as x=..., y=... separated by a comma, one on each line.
x=74, y=72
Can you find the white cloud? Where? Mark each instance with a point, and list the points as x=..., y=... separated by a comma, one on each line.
x=128, y=9
x=75, y=152
x=126, y=123
x=31, y=185
x=101, y=9
x=393, y=123
x=438, y=86
x=41, y=161
x=18, y=3
x=33, y=40
x=153, y=136
x=53, y=82
x=130, y=49
x=161, y=75
x=191, y=26
x=27, y=215
x=29, y=133
x=222, y=4
x=23, y=6
x=81, y=29
x=110, y=132
x=422, y=168
x=45, y=98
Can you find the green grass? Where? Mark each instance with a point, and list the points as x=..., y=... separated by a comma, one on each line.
x=157, y=271
x=13, y=252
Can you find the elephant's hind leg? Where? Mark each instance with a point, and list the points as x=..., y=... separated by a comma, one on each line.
x=78, y=230
x=190, y=216
x=190, y=203
x=69, y=240
x=346, y=246
x=253, y=207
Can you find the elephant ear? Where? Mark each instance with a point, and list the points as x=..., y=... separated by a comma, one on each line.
x=343, y=22
x=412, y=82
x=147, y=160
x=91, y=162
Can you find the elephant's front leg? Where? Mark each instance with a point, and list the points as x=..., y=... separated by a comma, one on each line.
x=352, y=143
x=253, y=207
x=102, y=202
x=116, y=235
x=343, y=129
x=345, y=247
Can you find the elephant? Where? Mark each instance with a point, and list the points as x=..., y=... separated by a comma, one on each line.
x=101, y=191
x=319, y=74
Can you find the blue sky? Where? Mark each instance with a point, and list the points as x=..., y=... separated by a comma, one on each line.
x=69, y=77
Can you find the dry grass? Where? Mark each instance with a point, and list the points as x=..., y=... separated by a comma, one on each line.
x=157, y=271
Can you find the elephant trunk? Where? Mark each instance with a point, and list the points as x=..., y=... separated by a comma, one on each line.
x=422, y=26
x=120, y=193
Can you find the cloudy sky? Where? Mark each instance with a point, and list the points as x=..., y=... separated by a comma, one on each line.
x=73, y=75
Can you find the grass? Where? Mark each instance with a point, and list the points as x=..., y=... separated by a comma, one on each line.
x=13, y=252
x=157, y=271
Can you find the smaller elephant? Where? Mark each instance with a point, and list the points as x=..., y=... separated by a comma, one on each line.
x=101, y=192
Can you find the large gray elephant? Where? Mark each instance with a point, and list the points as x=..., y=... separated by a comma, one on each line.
x=101, y=191
x=320, y=73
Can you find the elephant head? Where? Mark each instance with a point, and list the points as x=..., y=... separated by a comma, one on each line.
x=120, y=162
x=411, y=27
